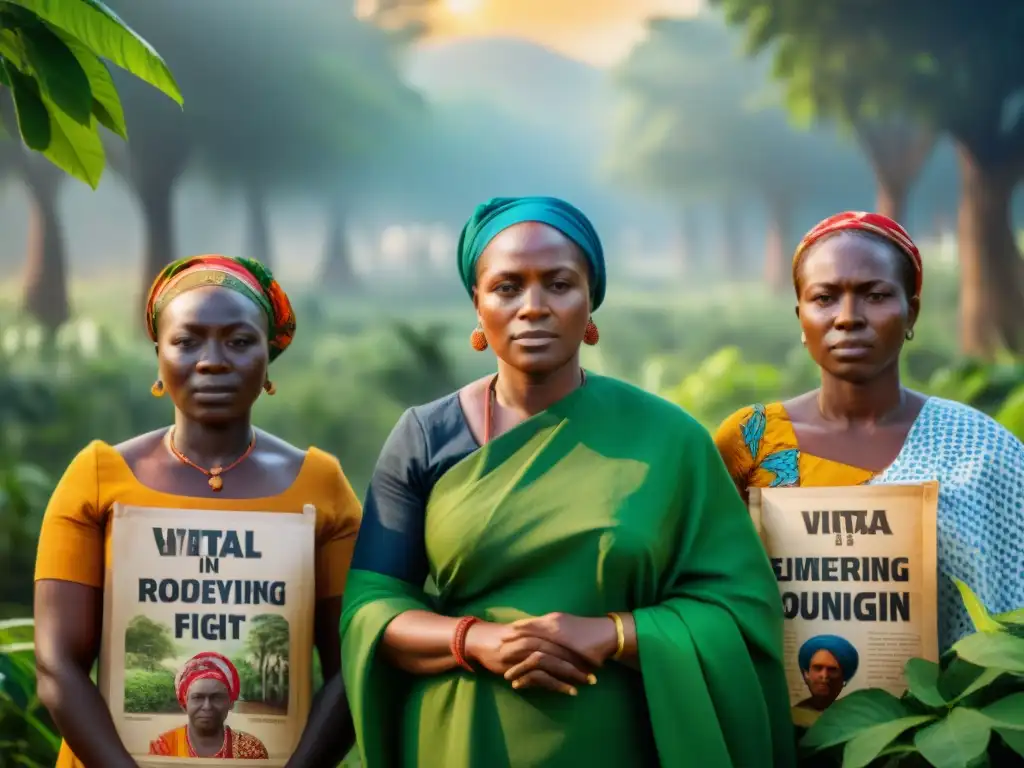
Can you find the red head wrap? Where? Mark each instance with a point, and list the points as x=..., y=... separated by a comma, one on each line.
x=207, y=666
x=875, y=223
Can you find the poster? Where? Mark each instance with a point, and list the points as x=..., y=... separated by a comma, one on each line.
x=857, y=573
x=208, y=634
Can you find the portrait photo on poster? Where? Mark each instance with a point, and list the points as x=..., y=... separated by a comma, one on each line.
x=207, y=644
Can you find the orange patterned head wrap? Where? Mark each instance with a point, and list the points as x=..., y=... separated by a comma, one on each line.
x=207, y=666
x=247, y=276
x=876, y=224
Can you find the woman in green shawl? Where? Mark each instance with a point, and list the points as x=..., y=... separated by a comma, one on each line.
x=598, y=594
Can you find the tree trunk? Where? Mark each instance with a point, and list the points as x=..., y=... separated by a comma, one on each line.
x=336, y=271
x=688, y=255
x=46, y=282
x=897, y=148
x=730, y=265
x=991, y=270
x=777, y=247
x=158, y=214
x=259, y=244
x=45, y=294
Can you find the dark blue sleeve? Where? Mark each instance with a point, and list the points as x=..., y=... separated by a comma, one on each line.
x=390, y=538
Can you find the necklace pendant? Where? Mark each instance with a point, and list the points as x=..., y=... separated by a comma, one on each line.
x=216, y=483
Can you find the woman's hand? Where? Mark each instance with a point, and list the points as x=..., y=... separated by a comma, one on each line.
x=592, y=639
x=501, y=648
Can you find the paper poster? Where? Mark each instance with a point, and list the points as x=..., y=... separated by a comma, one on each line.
x=208, y=634
x=857, y=574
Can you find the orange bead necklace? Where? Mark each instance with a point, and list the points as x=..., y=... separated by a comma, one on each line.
x=216, y=481
x=489, y=404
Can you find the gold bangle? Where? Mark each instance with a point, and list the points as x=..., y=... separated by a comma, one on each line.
x=620, y=635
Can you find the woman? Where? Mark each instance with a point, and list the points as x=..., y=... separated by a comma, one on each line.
x=858, y=285
x=217, y=323
x=207, y=687
x=566, y=521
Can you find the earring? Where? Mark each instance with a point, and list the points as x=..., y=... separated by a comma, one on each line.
x=590, y=334
x=803, y=338
x=909, y=335
x=269, y=388
x=157, y=390
x=477, y=340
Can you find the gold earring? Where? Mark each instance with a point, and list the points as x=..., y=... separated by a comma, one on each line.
x=269, y=388
x=803, y=338
x=157, y=390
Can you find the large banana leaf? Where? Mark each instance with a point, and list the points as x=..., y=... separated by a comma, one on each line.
x=50, y=59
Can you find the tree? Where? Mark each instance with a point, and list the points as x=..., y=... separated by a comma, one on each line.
x=50, y=59
x=148, y=643
x=276, y=103
x=956, y=66
x=714, y=130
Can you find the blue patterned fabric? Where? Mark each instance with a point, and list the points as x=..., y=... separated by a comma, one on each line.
x=783, y=463
x=980, y=468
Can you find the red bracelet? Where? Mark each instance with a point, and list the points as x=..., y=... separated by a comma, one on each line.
x=458, y=645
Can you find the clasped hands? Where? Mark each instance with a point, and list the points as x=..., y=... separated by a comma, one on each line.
x=556, y=651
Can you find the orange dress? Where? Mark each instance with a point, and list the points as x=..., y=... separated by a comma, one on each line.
x=74, y=542
x=760, y=449
x=238, y=745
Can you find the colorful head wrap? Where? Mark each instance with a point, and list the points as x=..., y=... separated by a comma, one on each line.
x=500, y=213
x=247, y=276
x=875, y=223
x=207, y=666
x=841, y=648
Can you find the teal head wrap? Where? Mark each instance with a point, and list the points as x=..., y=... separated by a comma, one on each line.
x=841, y=648
x=500, y=213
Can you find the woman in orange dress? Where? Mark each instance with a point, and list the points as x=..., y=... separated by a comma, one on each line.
x=207, y=687
x=216, y=323
x=858, y=279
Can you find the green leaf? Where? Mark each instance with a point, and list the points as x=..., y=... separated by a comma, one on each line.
x=61, y=77
x=75, y=148
x=103, y=32
x=1011, y=617
x=980, y=617
x=33, y=120
x=956, y=741
x=866, y=746
x=1014, y=739
x=923, y=682
x=106, y=103
x=993, y=649
x=1008, y=712
x=852, y=715
x=4, y=80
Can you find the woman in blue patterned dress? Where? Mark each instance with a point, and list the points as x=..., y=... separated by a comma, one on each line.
x=858, y=283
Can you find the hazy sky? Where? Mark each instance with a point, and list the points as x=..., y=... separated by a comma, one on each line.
x=596, y=31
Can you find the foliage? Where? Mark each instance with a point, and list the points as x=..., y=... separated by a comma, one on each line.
x=149, y=691
x=695, y=119
x=50, y=59
x=965, y=711
x=147, y=643
x=27, y=734
x=268, y=644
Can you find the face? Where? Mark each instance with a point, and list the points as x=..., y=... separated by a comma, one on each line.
x=824, y=676
x=213, y=354
x=853, y=306
x=207, y=706
x=532, y=297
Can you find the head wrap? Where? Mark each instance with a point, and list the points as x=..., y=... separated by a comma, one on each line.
x=841, y=648
x=500, y=213
x=874, y=223
x=247, y=276
x=207, y=666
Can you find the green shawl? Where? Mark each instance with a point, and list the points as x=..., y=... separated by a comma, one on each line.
x=611, y=500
